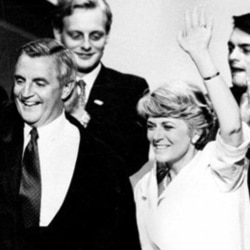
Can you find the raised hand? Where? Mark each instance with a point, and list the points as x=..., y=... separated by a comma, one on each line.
x=195, y=39
x=196, y=34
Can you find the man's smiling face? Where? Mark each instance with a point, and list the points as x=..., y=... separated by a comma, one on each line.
x=37, y=91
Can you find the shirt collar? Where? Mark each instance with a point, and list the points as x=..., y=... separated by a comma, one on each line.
x=90, y=78
x=49, y=130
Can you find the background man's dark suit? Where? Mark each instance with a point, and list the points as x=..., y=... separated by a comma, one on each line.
x=83, y=27
x=114, y=119
x=98, y=203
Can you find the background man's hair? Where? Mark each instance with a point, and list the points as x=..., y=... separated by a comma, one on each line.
x=66, y=7
x=242, y=22
x=63, y=57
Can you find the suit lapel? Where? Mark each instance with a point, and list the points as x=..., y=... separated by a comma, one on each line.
x=101, y=90
x=81, y=182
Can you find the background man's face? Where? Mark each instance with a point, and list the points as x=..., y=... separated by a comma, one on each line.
x=85, y=34
x=239, y=56
x=37, y=91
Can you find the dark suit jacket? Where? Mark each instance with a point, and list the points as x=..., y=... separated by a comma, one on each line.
x=114, y=119
x=3, y=94
x=98, y=211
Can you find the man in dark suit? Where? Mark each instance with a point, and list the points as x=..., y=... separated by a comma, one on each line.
x=60, y=188
x=108, y=108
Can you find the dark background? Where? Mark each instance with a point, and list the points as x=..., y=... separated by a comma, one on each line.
x=20, y=22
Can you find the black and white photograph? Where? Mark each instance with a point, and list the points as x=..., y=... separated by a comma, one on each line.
x=124, y=125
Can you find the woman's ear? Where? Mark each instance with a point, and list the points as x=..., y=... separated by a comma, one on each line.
x=196, y=135
x=67, y=89
x=195, y=138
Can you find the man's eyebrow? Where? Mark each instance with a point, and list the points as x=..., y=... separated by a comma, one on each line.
x=241, y=45
x=36, y=79
x=40, y=79
x=18, y=76
x=244, y=44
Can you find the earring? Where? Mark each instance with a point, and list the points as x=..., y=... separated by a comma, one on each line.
x=195, y=139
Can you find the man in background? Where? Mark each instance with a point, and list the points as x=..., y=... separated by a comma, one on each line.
x=239, y=54
x=104, y=100
x=60, y=188
x=239, y=63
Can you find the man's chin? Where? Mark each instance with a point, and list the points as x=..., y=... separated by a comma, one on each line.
x=239, y=82
x=86, y=67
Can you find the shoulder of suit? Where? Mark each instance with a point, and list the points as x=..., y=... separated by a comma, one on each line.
x=3, y=94
x=11, y=123
x=88, y=138
x=98, y=151
x=122, y=77
x=8, y=110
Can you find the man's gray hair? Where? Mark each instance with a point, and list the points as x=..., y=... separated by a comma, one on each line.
x=63, y=57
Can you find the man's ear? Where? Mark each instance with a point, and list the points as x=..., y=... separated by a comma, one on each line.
x=57, y=34
x=67, y=89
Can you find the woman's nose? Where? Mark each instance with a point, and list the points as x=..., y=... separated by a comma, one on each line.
x=158, y=134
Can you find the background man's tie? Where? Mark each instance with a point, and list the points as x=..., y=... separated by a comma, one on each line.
x=85, y=118
x=30, y=189
x=82, y=95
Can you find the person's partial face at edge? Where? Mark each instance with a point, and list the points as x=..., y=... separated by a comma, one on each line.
x=239, y=56
x=84, y=32
x=37, y=91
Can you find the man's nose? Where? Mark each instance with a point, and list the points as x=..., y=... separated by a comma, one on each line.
x=27, y=90
x=234, y=54
x=86, y=44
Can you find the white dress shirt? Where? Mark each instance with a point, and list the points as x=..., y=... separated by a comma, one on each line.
x=58, y=146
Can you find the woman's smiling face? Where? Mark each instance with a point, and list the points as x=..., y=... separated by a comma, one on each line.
x=171, y=140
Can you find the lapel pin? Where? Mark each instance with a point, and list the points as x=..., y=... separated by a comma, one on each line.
x=98, y=102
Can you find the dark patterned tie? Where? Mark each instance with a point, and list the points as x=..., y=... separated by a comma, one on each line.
x=161, y=171
x=30, y=189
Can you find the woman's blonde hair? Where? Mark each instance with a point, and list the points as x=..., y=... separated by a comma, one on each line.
x=182, y=100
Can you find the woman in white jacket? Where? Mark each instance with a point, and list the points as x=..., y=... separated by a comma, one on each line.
x=202, y=200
